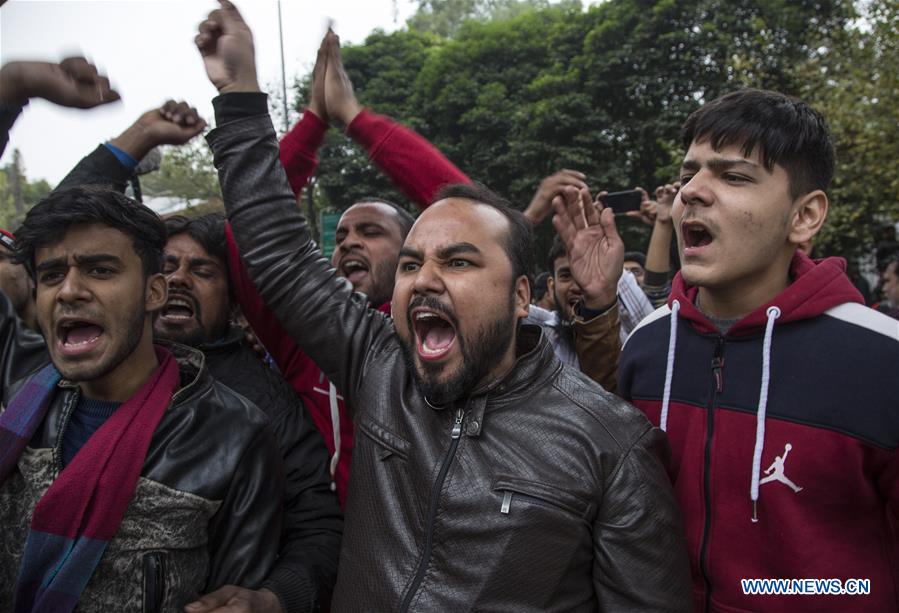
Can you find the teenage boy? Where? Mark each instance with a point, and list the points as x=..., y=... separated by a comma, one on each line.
x=775, y=383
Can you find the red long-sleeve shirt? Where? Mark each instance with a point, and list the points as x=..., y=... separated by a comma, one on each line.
x=418, y=170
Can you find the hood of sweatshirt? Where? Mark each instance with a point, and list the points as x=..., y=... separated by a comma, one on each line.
x=817, y=285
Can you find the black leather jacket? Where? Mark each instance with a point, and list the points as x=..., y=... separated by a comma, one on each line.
x=306, y=568
x=539, y=492
x=207, y=508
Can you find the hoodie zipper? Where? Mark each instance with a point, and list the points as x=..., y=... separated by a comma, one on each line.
x=718, y=381
x=455, y=434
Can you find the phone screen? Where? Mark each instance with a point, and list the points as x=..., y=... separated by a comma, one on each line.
x=621, y=202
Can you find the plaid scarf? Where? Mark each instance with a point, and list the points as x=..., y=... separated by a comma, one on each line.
x=81, y=511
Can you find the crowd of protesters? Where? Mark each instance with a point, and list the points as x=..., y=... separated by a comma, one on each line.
x=205, y=414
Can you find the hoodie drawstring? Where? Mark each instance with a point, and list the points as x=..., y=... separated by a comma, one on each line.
x=335, y=427
x=773, y=313
x=669, y=368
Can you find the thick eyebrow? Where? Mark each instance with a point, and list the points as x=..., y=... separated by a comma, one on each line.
x=81, y=260
x=409, y=252
x=97, y=258
x=445, y=253
x=203, y=262
x=48, y=264
x=367, y=225
x=718, y=164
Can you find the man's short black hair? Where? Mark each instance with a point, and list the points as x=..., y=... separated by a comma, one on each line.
x=556, y=251
x=521, y=234
x=403, y=217
x=51, y=218
x=786, y=130
x=208, y=230
x=540, y=286
x=635, y=256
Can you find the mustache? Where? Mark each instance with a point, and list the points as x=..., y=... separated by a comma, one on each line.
x=65, y=310
x=353, y=255
x=429, y=302
x=184, y=294
x=712, y=227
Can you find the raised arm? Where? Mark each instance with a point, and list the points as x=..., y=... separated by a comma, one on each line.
x=596, y=254
x=412, y=163
x=113, y=163
x=658, y=256
x=74, y=82
x=318, y=309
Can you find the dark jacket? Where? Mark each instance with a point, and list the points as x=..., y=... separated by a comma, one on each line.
x=206, y=510
x=539, y=492
x=307, y=556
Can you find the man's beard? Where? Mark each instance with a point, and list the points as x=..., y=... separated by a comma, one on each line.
x=561, y=311
x=382, y=278
x=133, y=332
x=484, y=353
x=192, y=337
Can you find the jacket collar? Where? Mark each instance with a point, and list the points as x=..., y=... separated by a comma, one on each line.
x=535, y=363
x=192, y=369
x=194, y=376
x=817, y=286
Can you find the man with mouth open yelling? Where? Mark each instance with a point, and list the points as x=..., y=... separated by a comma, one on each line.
x=765, y=362
x=486, y=475
x=113, y=463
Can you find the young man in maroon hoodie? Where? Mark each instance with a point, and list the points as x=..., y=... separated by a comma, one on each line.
x=776, y=385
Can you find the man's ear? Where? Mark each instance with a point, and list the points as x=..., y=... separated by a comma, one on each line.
x=550, y=285
x=157, y=292
x=522, y=296
x=809, y=214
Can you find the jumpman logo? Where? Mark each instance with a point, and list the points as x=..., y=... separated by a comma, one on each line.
x=778, y=468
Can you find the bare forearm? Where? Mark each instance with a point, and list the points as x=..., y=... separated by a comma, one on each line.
x=658, y=258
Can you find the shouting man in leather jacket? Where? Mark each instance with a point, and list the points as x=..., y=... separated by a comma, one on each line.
x=486, y=475
x=119, y=488
x=198, y=314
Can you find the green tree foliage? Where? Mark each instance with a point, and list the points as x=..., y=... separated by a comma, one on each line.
x=444, y=17
x=514, y=98
x=17, y=193
x=186, y=173
x=854, y=81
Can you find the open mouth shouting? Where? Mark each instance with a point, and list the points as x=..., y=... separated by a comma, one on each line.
x=435, y=334
x=76, y=336
x=354, y=268
x=178, y=310
x=696, y=237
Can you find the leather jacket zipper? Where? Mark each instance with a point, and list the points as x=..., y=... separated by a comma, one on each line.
x=718, y=381
x=432, y=510
x=67, y=410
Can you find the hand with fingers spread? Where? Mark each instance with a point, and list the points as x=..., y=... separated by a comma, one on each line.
x=175, y=123
x=317, y=96
x=595, y=251
x=74, y=82
x=226, y=44
x=541, y=204
x=233, y=599
x=340, y=99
